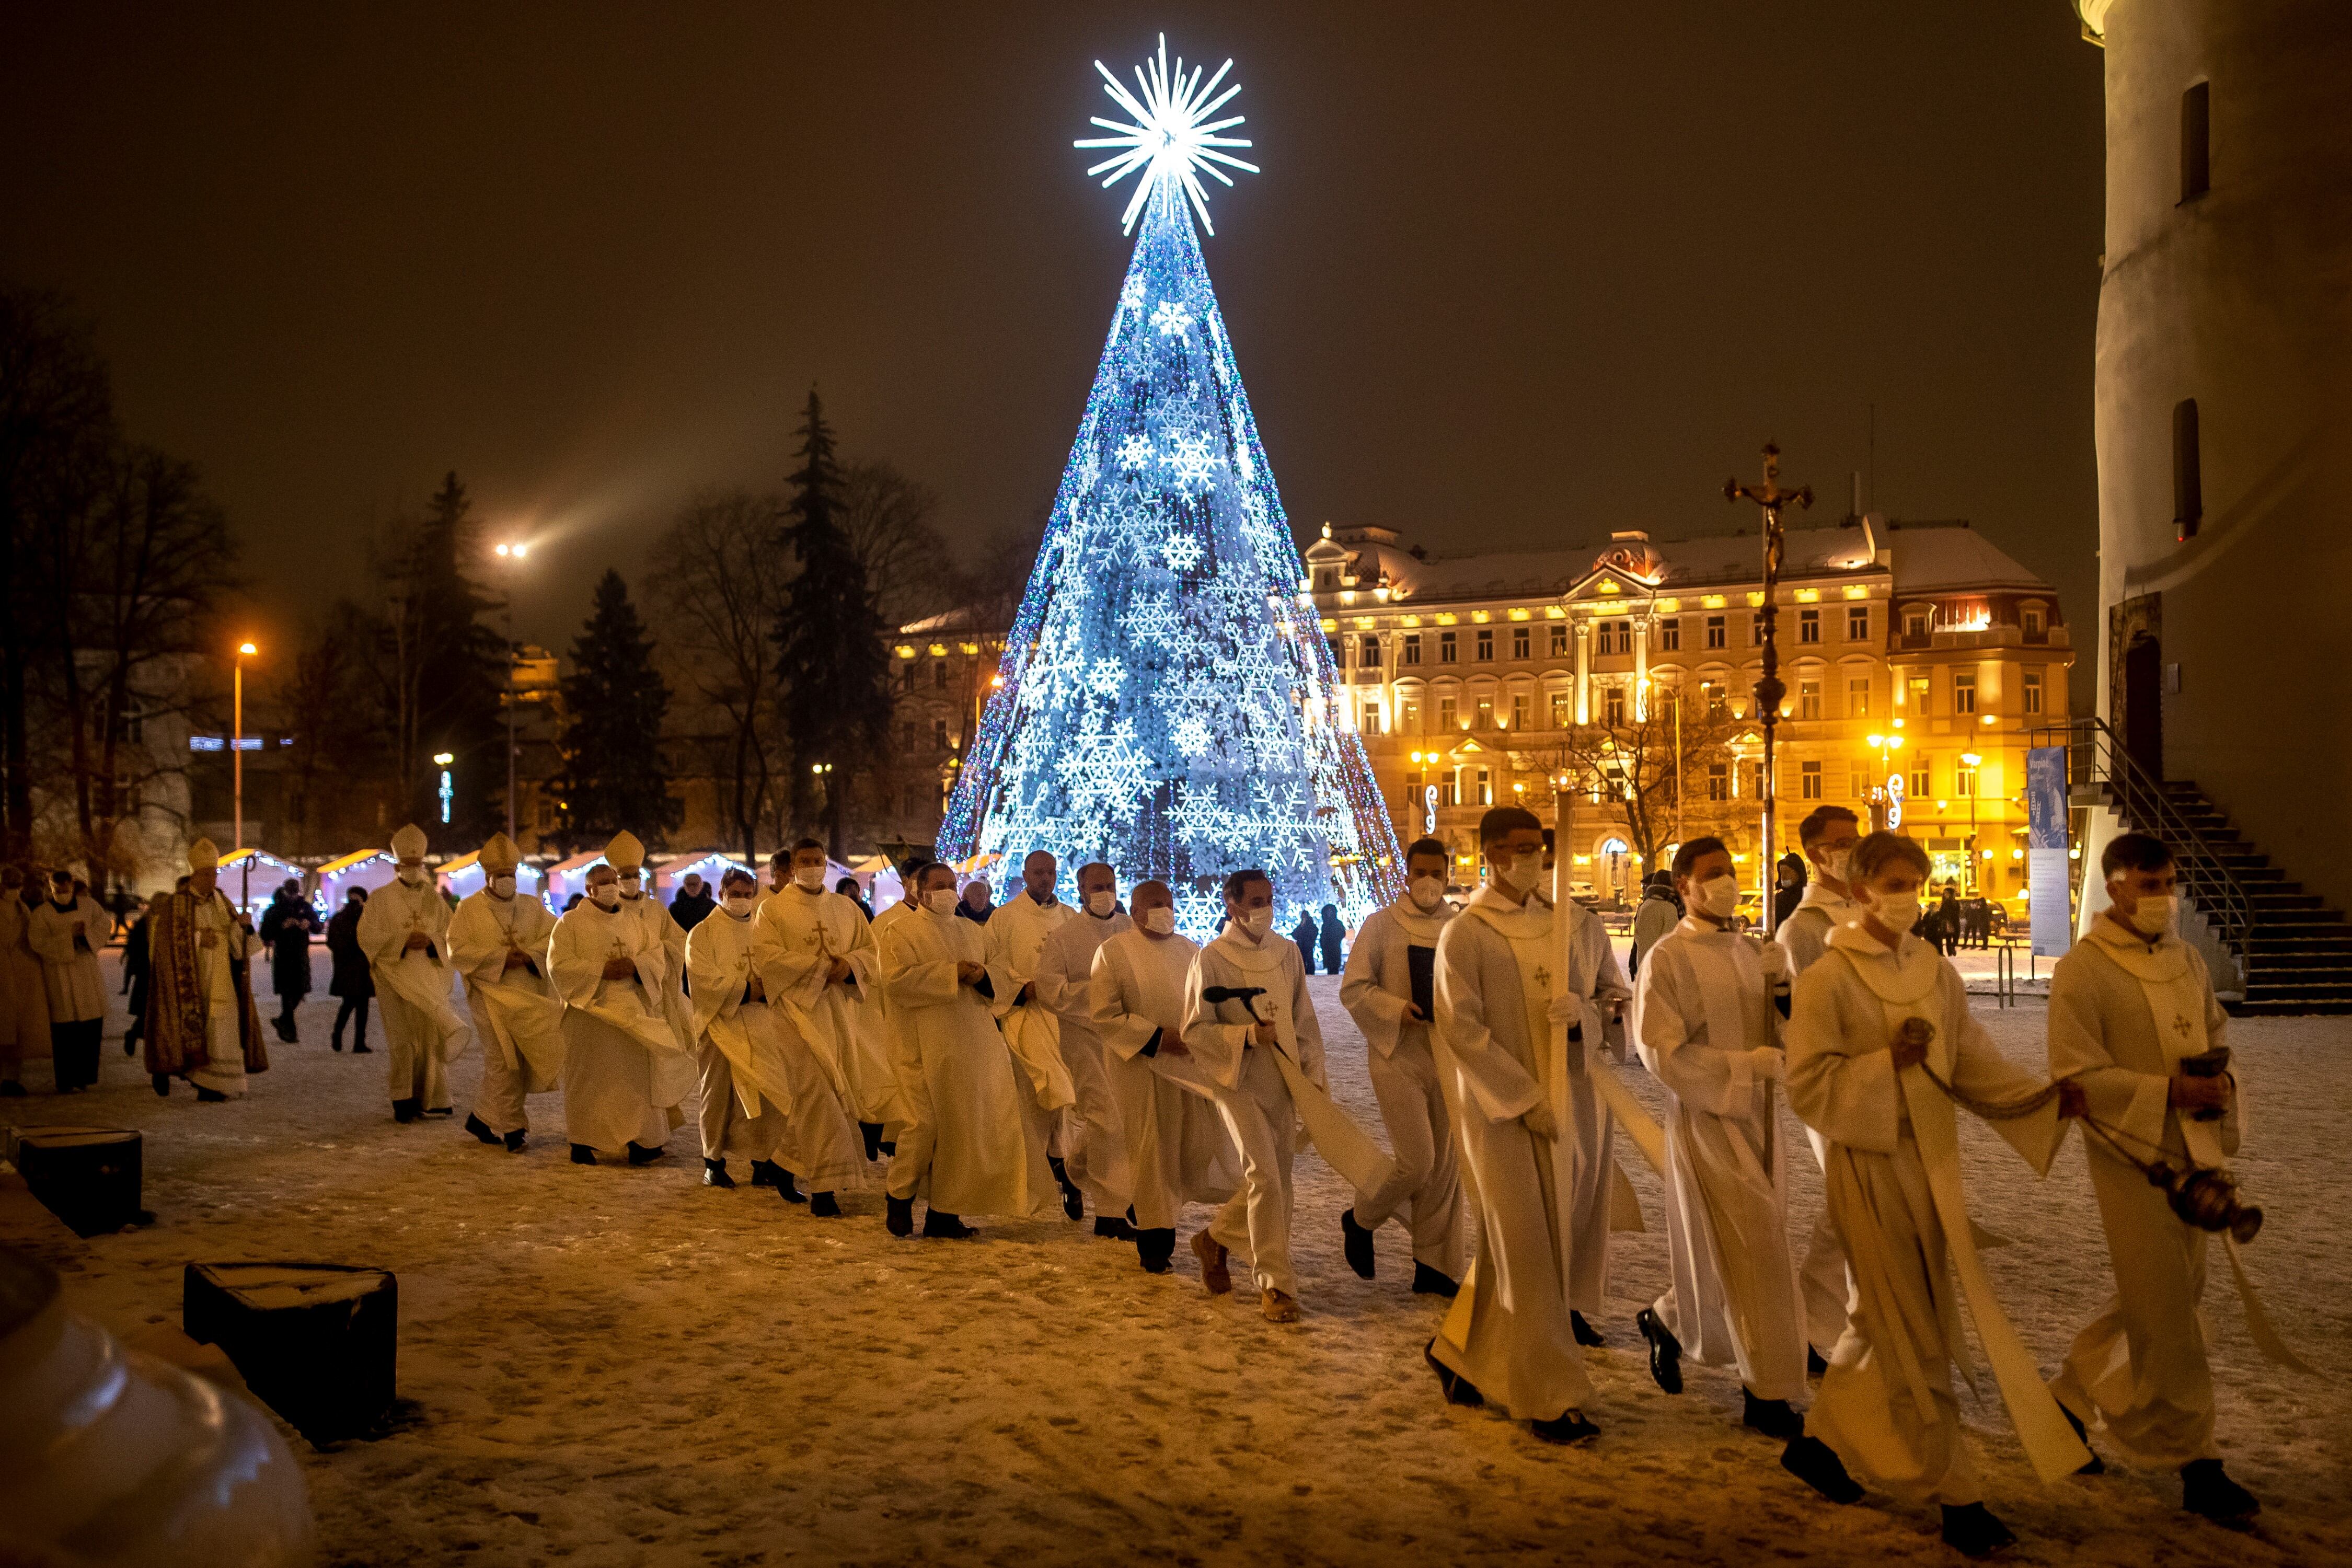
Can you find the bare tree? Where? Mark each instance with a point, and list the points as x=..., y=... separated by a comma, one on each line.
x=887, y=517
x=1651, y=771
x=337, y=767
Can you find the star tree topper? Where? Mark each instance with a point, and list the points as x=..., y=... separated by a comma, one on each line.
x=1170, y=136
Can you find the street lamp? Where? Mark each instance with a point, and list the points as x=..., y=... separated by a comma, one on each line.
x=244, y=650
x=1969, y=761
x=511, y=551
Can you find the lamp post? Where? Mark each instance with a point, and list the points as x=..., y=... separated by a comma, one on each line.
x=1769, y=691
x=1969, y=759
x=510, y=552
x=244, y=650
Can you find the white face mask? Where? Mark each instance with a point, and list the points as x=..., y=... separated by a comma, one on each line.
x=2156, y=915
x=632, y=885
x=1836, y=863
x=1899, y=912
x=1100, y=904
x=809, y=878
x=502, y=886
x=1718, y=895
x=738, y=904
x=1522, y=872
x=941, y=900
x=1427, y=891
x=607, y=895
x=411, y=876
x=1159, y=922
x=1257, y=922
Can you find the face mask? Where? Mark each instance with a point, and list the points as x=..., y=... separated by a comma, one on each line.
x=2155, y=915
x=1899, y=912
x=607, y=895
x=632, y=885
x=941, y=900
x=1522, y=871
x=502, y=887
x=1835, y=863
x=1257, y=922
x=738, y=904
x=411, y=876
x=1159, y=922
x=1100, y=905
x=1718, y=895
x=1427, y=891
x=810, y=878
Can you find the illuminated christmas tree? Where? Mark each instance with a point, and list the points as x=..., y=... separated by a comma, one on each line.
x=1168, y=701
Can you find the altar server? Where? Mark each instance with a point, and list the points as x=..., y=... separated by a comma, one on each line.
x=816, y=955
x=66, y=932
x=626, y=1076
x=405, y=931
x=1098, y=1160
x=1016, y=932
x=497, y=941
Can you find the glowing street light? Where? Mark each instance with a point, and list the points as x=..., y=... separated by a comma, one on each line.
x=244, y=650
x=509, y=551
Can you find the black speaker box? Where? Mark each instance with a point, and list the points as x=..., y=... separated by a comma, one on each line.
x=86, y=1176
x=318, y=1343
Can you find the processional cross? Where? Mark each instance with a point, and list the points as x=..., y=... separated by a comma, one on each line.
x=1770, y=690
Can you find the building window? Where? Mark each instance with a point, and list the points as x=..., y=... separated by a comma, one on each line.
x=1448, y=789
x=1411, y=654
x=2036, y=625
x=1486, y=788
x=1408, y=715
x=939, y=675
x=2033, y=692
x=1920, y=785
x=1368, y=653
x=1559, y=639
x=1339, y=652
x=1715, y=698
x=1755, y=630
x=2196, y=141
x=1518, y=711
x=1809, y=700
x=1370, y=724
x=1755, y=771
x=1412, y=791
x=1964, y=781
x=1719, y=781
x=2187, y=472
x=1486, y=645
x=1857, y=623
x=1809, y=626
x=1863, y=783
x=1810, y=781
x=1563, y=705
x=1915, y=624
x=1918, y=697
x=1445, y=713
x=1964, y=691
x=1445, y=648
x=1857, y=697
x=1715, y=635
x=1522, y=640
x=1486, y=713
x=1670, y=636
x=1613, y=707
x=939, y=735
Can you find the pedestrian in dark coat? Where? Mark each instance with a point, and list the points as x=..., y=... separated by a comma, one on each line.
x=1303, y=933
x=1334, y=933
x=286, y=927
x=351, y=979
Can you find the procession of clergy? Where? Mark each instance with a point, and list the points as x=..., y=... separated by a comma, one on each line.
x=1064, y=1054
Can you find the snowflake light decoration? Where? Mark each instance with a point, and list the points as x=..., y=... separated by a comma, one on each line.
x=1171, y=138
x=1192, y=461
x=1171, y=318
x=1134, y=452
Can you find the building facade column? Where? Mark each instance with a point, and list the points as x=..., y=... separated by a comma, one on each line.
x=1641, y=668
x=1584, y=672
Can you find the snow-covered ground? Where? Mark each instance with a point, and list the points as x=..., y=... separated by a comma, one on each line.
x=621, y=1367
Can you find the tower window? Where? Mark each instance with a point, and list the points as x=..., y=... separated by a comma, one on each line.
x=2196, y=141
x=2188, y=471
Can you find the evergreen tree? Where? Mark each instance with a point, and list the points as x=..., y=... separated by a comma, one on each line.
x=830, y=640
x=614, y=704
x=450, y=672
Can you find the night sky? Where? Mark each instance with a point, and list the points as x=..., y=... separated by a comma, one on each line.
x=1513, y=277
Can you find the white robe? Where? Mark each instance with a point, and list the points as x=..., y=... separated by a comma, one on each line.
x=1896, y=1196
x=1508, y=1331
x=76, y=990
x=2123, y=1015
x=624, y=1073
x=1804, y=937
x=796, y=935
x=518, y=1017
x=1600, y=1199
x=1177, y=1145
x=671, y=938
x=23, y=994
x=765, y=1093
x=1014, y=935
x=1097, y=1155
x=1377, y=990
x=420, y=1026
x=967, y=1146
x=1709, y=1031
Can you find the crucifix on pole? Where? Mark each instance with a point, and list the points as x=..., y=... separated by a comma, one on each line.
x=1769, y=689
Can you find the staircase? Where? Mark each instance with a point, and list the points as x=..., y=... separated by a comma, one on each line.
x=2296, y=954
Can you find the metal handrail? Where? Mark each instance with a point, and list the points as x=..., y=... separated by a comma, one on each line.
x=2095, y=755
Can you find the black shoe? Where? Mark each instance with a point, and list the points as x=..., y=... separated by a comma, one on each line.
x=1457, y=1389
x=406, y=1111
x=889, y=1149
x=162, y=1081
x=1666, y=1350
x=873, y=1133
x=714, y=1174
x=1112, y=1228
x=1816, y=1464
x=946, y=1226
x=785, y=1188
x=1357, y=1243
x=335, y=1043
x=1153, y=1248
x=1569, y=1427
x=582, y=1154
x=1073, y=1202
x=1773, y=1418
x=1428, y=1281
x=1971, y=1530
x=898, y=1215
x=1586, y=1334
x=12, y=1090
x=514, y=1141
x=764, y=1172
x=2204, y=1490
x=362, y=1048
x=210, y=1096
x=824, y=1206
x=641, y=1155
x=1816, y=1363
x=480, y=1129
x=2095, y=1465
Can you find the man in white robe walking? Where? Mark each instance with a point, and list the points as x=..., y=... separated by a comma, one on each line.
x=1178, y=1150
x=625, y=1075
x=1710, y=1028
x=404, y=932
x=1390, y=989
x=817, y=958
x=2134, y=1026
x=969, y=1147
x=1882, y=1046
x=67, y=931
x=1097, y=1160
x=497, y=942
x=1507, y=1339
x=1016, y=935
x=626, y=855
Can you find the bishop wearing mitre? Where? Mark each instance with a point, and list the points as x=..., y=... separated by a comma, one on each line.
x=404, y=932
x=201, y=1022
x=497, y=941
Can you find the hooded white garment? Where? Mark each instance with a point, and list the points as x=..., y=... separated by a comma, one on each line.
x=2124, y=1014
x=24, y=992
x=1895, y=1193
x=420, y=1026
x=796, y=937
x=1377, y=991
x=624, y=1073
x=1015, y=934
x=1177, y=1146
x=77, y=992
x=1508, y=1330
x=1709, y=1032
x=967, y=1146
x=1804, y=937
x=518, y=1017
x=1098, y=1156
x=765, y=1093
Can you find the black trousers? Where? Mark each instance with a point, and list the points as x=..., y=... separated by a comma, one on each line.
x=73, y=1048
x=353, y=1007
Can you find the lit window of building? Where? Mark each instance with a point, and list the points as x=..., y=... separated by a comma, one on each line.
x=1521, y=639
x=1486, y=645
x=1809, y=777
x=1809, y=626
x=1809, y=700
x=1857, y=697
